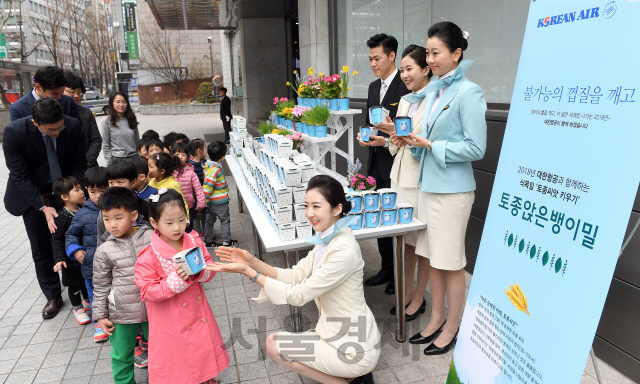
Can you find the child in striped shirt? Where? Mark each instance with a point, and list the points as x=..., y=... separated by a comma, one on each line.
x=217, y=194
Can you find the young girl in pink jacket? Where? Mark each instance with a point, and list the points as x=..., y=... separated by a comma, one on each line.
x=189, y=183
x=186, y=346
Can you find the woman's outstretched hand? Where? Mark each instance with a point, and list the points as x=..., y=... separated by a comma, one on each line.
x=234, y=255
x=222, y=267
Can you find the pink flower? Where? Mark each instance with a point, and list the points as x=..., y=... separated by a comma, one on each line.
x=307, y=82
x=361, y=186
x=315, y=80
x=275, y=100
x=335, y=77
x=360, y=176
x=353, y=183
x=328, y=79
x=371, y=181
x=284, y=99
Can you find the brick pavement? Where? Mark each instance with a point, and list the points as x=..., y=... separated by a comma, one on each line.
x=33, y=350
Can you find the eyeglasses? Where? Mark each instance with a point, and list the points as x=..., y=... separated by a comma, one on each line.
x=51, y=131
x=72, y=92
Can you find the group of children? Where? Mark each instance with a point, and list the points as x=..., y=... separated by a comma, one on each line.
x=117, y=267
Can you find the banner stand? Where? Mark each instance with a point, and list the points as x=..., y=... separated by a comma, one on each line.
x=593, y=354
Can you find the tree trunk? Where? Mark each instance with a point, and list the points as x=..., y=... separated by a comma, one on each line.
x=3, y=98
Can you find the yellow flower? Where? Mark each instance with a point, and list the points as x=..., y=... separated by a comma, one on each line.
x=288, y=83
x=295, y=72
x=341, y=83
x=348, y=88
x=345, y=69
x=355, y=72
x=321, y=74
x=310, y=71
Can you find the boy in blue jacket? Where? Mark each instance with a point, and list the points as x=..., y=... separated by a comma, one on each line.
x=82, y=236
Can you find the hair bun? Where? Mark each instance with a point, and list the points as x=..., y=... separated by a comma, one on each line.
x=465, y=43
x=347, y=207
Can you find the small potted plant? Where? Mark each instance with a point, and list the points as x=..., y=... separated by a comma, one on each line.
x=303, y=121
x=297, y=88
x=287, y=113
x=298, y=141
x=319, y=116
x=344, y=102
x=265, y=128
x=332, y=91
x=357, y=181
x=296, y=113
x=279, y=103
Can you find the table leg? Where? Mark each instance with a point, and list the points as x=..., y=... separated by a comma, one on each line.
x=240, y=207
x=256, y=242
x=296, y=312
x=398, y=263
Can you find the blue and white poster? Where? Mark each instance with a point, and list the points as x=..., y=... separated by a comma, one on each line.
x=565, y=185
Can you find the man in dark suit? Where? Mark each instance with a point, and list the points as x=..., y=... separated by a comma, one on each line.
x=385, y=91
x=38, y=150
x=49, y=82
x=225, y=113
x=92, y=138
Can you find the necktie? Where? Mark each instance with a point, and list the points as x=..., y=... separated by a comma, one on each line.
x=52, y=157
x=338, y=226
x=383, y=90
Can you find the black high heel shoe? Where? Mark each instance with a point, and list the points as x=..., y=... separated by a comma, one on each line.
x=433, y=350
x=393, y=310
x=417, y=313
x=419, y=339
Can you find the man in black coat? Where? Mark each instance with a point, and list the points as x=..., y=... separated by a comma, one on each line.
x=385, y=91
x=49, y=82
x=225, y=113
x=92, y=138
x=38, y=150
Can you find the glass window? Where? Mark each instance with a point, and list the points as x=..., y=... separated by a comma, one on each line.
x=496, y=29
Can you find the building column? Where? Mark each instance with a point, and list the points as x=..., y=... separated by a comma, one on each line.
x=313, y=17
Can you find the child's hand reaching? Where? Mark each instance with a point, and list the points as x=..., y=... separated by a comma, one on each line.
x=183, y=275
x=59, y=265
x=106, y=325
x=79, y=255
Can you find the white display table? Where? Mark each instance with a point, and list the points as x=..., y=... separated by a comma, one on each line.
x=262, y=230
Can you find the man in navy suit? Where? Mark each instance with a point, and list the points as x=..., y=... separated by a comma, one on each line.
x=38, y=150
x=225, y=113
x=385, y=91
x=49, y=82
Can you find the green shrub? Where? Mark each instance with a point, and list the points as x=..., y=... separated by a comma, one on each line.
x=204, y=93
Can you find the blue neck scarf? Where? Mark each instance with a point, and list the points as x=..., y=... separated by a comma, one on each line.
x=437, y=83
x=337, y=227
x=414, y=98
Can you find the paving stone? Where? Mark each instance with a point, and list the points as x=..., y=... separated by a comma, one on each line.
x=7, y=365
x=11, y=353
x=102, y=366
x=17, y=341
x=252, y=371
x=56, y=359
x=28, y=363
x=105, y=378
x=37, y=349
x=83, y=355
x=50, y=375
x=79, y=370
x=21, y=377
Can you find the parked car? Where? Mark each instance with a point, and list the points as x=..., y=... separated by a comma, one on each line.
x=96, y=102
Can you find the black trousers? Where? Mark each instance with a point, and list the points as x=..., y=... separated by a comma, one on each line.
x=40, y=239
x=227, y=128
x=385, y=244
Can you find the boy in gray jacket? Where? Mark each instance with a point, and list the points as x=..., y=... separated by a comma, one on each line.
x=116, y=303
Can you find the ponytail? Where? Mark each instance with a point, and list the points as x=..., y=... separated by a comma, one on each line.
x=167, y=163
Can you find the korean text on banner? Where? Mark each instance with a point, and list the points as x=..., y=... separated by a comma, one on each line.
x=561, y=200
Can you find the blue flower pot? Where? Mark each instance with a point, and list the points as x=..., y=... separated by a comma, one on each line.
x=402, y=125
x=405, y=213
x=389, y=216
x=324, y=102
x=372, y=219
x=343, y=104
x=321, y=131
x=303, y=127
x=313, y=101
x=278, y=120
x=300, y=101
x=358, y=223
x=333, y=105
x=289, y=125
x=311, y=130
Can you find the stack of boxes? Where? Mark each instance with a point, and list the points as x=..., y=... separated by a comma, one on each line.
x=278, y=177
x=240, y=138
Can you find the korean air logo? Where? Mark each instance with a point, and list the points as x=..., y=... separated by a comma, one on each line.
x=569, y=17
x=609, y=10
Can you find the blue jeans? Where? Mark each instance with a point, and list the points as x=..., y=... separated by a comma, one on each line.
x=89, y=284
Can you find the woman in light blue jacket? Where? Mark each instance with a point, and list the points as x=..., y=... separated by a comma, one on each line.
x=453, y=135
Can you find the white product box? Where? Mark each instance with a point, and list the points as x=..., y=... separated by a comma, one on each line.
x=283, y=195
x=303, y=229
x=240, y=122
x=298, y=209
x=299, y=194
x=285, y=148
x=242, y=133
x=248, y=142
x=287, y=232
x=292, y=176
x=284, y=214
x=308, y=170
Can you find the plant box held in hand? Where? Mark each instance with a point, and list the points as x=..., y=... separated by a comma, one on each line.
x=191, y=260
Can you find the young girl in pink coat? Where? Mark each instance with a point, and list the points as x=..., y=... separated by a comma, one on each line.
x=186, y=346
x=189, y=183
